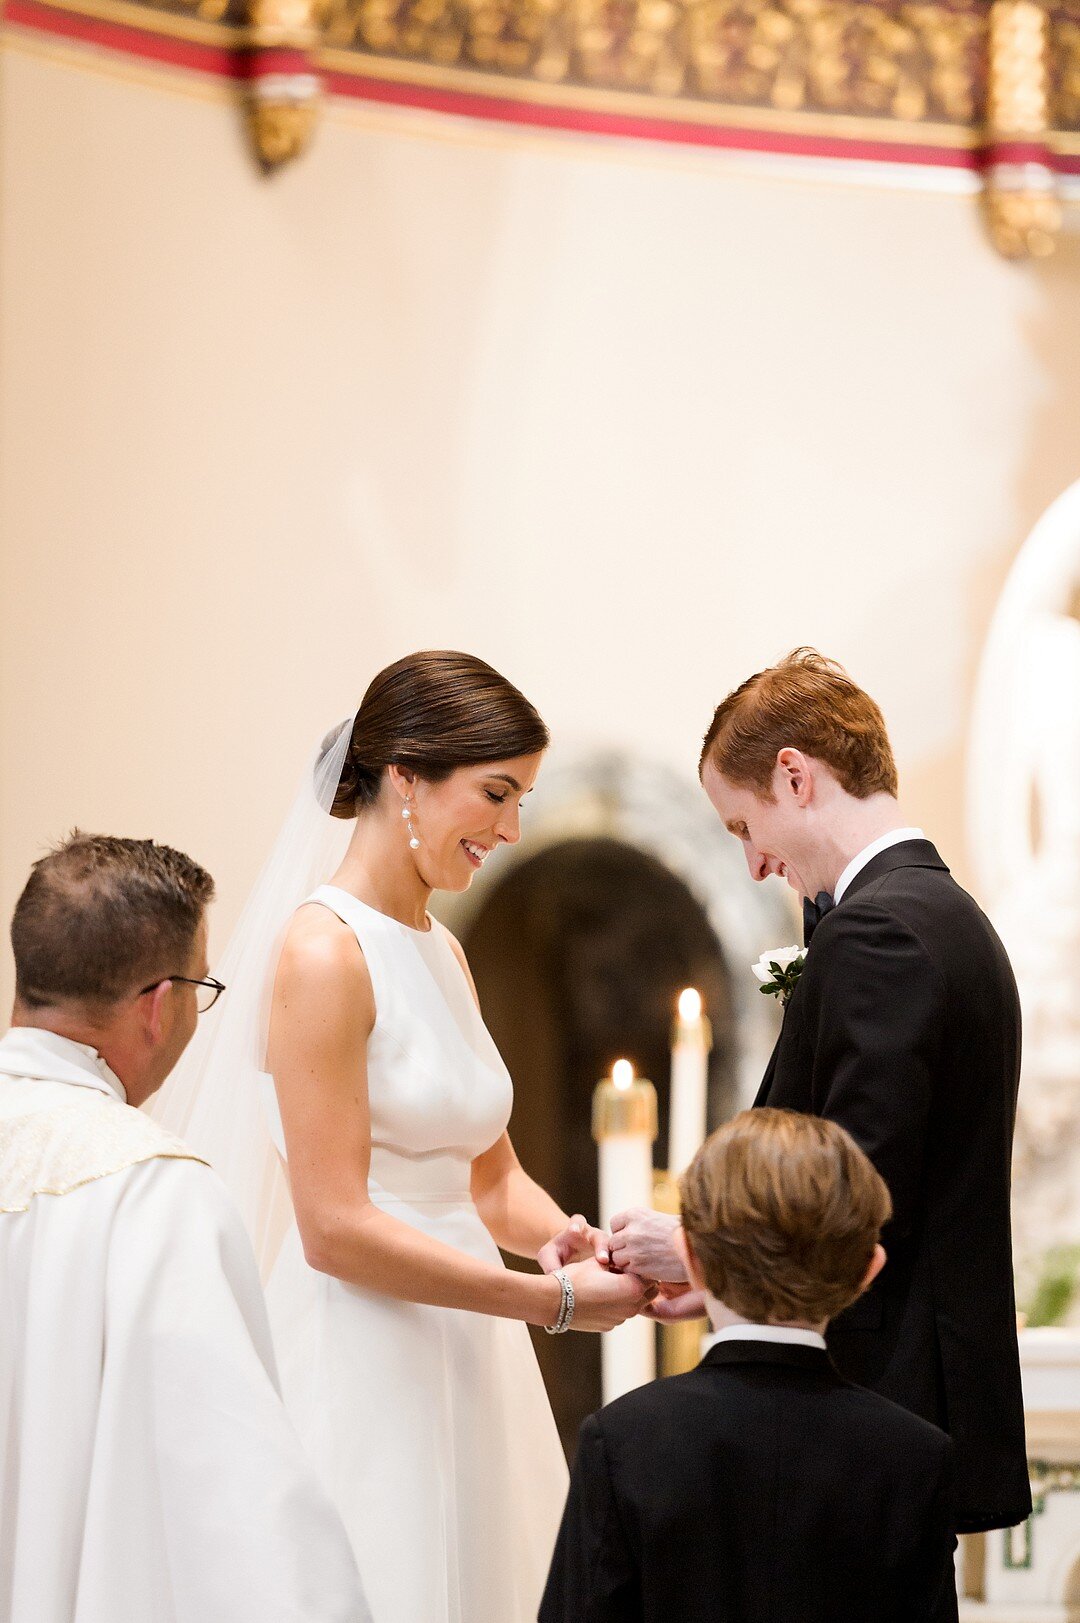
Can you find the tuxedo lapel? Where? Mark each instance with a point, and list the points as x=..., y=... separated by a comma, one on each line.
x=762, y=1095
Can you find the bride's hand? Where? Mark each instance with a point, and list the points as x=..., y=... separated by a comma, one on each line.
x=603, y=1300
x=576, y=1242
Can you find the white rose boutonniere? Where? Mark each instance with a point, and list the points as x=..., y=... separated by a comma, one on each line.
x=778, y=972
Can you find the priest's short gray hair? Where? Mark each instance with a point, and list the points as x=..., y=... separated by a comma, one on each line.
x=101, y=916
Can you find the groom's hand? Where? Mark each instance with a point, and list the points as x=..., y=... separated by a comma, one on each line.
x=604, y=1300
x=641, y=1243
x=576, y=1242
x=676, y=1302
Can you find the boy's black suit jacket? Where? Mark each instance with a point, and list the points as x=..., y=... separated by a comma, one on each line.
x=905, y=1028
x=760, y=1488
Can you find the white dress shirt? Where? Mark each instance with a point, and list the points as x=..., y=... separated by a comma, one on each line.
x=867, y=854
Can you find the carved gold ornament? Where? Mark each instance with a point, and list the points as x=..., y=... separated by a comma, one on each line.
x=959, y=84
x=1020, y=201
x=848, y=56
x=1023, y=224
x=283, y=88
x=280, y=127
x=1017, y=86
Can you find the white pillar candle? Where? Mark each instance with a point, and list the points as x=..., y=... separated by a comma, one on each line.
x=624, y=1126
x=691, y=1042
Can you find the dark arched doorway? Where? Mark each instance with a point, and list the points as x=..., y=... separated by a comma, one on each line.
x=579, y=955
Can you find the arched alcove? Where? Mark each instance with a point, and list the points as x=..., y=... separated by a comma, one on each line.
x=624, y=889
x=665, y=815
x=579, y=956
x=1024, y=826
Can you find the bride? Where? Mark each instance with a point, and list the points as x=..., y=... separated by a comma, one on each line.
x=401, y=1335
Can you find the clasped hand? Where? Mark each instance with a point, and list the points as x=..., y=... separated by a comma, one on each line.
x=639, y=1243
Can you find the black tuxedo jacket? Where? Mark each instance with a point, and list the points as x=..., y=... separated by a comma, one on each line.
x=905, y=1028
x=760, y=1488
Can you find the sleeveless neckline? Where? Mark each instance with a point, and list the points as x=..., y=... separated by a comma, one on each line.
x=412, y=929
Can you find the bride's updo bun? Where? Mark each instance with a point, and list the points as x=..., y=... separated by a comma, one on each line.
x=433, y=712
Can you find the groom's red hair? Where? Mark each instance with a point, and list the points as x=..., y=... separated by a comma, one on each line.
x=808, y=703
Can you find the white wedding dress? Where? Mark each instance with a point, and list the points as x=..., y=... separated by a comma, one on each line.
x=430, y=1427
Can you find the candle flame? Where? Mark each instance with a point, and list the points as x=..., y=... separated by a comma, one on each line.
x=622, y=1073
x=690, y=1005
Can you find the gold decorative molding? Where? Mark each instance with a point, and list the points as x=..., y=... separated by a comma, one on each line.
x=987, y=91
x=911, y=62
x=1023, y=224
x=280, y=128
x=1064, y=68
x=1020, y=201
x=285, y=23
x=1017, y=85
x=283, y=88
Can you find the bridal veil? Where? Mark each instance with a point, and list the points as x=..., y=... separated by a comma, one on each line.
x=219, y=1099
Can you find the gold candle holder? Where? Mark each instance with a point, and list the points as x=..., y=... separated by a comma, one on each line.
x=680, y=1344
x=665, y=1193
x=624, y=1105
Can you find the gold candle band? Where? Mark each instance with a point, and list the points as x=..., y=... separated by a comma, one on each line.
x=685, y=1031
x=617, y=1111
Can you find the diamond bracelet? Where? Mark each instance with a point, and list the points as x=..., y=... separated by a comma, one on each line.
x=566, y=1309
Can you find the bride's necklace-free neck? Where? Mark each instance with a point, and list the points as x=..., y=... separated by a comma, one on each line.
x=380, y=869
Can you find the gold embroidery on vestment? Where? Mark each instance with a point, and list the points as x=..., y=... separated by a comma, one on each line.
x=64, y=1147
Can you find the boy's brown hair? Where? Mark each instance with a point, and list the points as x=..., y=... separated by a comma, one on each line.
x=783, y=1212
x=808, y=703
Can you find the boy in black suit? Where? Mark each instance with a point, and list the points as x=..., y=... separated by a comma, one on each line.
x=762, y=1487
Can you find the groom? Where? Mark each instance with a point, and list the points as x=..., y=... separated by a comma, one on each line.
x=904, y=1028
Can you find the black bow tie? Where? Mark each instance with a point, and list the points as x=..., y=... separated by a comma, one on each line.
x=813, y=912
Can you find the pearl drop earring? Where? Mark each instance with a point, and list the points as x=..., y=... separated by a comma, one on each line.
x=406, y=812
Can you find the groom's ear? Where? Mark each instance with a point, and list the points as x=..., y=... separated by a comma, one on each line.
x=794, y=777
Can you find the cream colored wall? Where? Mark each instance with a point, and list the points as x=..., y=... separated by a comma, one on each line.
x=624, y=421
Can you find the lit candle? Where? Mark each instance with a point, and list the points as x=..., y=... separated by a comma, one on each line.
x=624, y=1127
x=690, y=1045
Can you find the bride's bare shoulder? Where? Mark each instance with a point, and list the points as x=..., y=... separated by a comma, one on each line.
x=320, y=949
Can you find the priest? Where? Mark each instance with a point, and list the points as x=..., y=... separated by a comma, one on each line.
x=147, y=1468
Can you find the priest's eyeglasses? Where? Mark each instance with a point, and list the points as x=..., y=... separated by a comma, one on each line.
x=205, y=998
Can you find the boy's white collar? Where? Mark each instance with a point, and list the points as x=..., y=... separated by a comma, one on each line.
x=724, y=1328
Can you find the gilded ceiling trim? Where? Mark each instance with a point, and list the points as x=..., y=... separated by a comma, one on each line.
x=993, y=90
x=636, y=104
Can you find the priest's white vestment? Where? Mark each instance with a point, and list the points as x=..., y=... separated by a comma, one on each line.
x=148, y=1472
